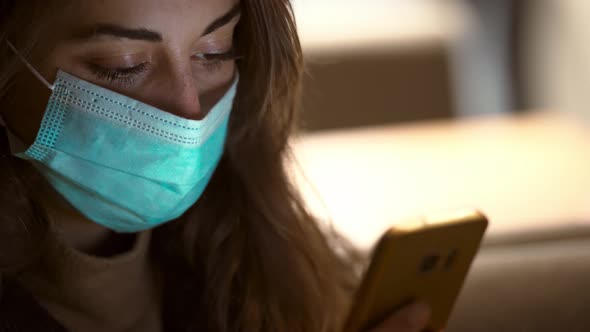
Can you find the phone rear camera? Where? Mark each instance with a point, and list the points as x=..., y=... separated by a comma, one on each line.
x=451, y=259
x=429, y=263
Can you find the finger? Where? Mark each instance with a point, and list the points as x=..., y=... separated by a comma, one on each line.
x=410, y=319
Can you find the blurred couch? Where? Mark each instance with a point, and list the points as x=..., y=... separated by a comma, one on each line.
x=528, y=282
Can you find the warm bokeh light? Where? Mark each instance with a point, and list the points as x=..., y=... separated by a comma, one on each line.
x=525, y=173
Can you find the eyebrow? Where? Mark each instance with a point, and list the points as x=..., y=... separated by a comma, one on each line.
x=122, y=32
x=149, y=35
x=223, y=20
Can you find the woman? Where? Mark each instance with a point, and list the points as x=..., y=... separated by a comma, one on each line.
x=143, y=185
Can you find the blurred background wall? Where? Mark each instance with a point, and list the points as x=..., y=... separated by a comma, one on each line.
x=395, y=61
x=557, y=60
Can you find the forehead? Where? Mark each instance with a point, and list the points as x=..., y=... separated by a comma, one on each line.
x=169, y=17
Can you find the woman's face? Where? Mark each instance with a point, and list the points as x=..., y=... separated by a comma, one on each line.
x=175, y=55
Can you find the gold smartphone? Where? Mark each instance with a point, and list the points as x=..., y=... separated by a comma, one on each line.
x=425, y=259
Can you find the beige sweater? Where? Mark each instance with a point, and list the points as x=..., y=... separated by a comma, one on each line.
x=88, y=294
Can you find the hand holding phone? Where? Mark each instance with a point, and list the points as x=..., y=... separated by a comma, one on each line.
x=412, y=318
x=426, y=260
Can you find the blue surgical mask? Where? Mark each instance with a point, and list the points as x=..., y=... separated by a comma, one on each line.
x=122, y=163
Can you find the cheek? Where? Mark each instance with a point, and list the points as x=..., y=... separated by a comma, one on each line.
x=24, y=109
x=211, y=92
x=211, y=79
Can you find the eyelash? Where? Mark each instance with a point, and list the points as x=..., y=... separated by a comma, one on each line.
x=212, y=62
x=124, y=75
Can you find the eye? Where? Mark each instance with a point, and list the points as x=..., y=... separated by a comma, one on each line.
x=123, y=76
x=214, y=61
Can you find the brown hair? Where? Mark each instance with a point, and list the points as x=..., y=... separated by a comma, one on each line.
x=247, y=256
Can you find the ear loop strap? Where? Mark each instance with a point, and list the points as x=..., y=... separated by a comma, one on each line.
x=15, y=145
x=33, y=70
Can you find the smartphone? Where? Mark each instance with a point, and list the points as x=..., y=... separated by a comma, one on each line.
x=423, y=259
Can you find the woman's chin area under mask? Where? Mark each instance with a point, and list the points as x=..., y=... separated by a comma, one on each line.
x=79, y=232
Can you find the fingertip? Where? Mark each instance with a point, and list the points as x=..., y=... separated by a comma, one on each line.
x=419, y=314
